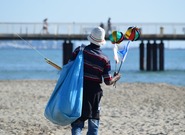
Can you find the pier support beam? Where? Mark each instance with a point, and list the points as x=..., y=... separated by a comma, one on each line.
x=142, y=56
x=161, y=56
x=154, y=56
x=148, y=56
x=67, y=51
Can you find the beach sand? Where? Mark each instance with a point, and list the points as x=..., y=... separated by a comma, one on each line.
x=128, y=109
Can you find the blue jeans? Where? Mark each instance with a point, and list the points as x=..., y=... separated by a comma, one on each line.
x=93, y=125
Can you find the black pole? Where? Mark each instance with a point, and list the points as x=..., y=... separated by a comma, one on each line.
x=141, y=56
x=161, y=56
x=148, y=58
x=67, y=51
x=154, y=56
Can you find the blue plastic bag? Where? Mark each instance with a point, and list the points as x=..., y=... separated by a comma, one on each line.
x=65, y=103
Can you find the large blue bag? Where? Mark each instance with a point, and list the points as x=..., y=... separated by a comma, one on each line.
x=65, y=103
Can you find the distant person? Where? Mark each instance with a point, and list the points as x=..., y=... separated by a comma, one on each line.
x=96, y=71
x=102, y=25
x=109, y=27
x=45, y=26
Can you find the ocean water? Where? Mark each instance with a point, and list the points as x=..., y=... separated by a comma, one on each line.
x=16, y=64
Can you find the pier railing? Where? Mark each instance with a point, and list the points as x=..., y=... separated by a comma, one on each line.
x=85, y=28
x=77, y=31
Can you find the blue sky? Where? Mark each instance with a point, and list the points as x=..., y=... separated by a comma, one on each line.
x=120, y=11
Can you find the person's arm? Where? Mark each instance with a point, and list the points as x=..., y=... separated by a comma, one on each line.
x=108, y=79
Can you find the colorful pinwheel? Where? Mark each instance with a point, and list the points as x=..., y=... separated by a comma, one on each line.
x=116, y=38
x=132, y=33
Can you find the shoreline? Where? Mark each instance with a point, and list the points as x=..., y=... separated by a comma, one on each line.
x=130, y=108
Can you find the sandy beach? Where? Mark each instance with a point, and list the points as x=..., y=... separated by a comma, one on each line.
x=128, y=109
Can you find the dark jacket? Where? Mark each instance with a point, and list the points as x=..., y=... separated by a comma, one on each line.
x=96, y=70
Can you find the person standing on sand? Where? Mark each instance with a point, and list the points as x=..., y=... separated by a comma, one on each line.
x=96, y=70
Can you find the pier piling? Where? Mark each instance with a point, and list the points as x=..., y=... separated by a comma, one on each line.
x=154, y=56
x=67, y=51
x=161, y=56
x=141, y=48
x=148, y=56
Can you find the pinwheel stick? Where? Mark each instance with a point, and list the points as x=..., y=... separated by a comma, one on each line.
x=123, y=59
x=120, y=67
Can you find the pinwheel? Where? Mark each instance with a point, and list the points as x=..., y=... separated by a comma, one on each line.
x=132, y=34
x=116, y=38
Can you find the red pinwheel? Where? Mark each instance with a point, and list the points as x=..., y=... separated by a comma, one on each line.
x=132, y=33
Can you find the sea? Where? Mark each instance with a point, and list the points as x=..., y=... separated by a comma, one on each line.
x=18, y=60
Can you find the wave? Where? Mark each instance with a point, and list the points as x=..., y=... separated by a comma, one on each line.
x=36, y=44
x=13, y=45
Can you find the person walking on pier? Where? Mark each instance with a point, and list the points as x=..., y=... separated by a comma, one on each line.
x=96, y=70
x=45, y=27
x=109, y=27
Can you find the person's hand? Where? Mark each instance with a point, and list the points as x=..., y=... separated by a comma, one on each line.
x=117, y=76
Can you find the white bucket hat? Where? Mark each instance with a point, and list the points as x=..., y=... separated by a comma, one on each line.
x=97, y=36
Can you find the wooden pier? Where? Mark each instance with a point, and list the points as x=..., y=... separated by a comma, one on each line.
x=69, y=32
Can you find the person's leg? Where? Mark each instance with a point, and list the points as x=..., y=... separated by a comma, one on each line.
x=77, y=127
x=93, y=125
